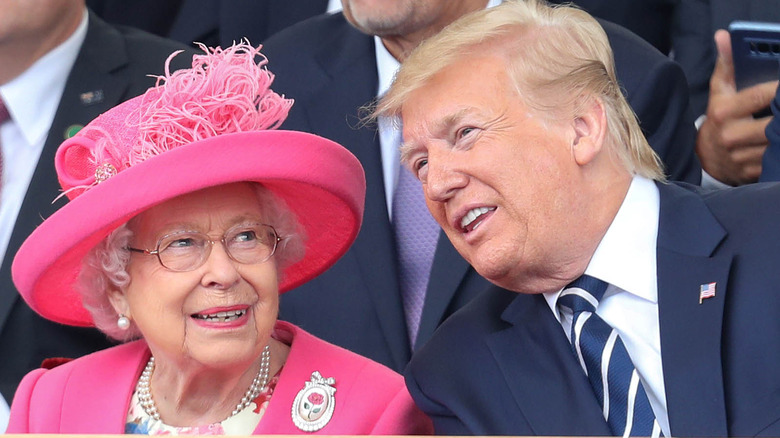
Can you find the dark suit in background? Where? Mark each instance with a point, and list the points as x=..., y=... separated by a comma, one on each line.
x=650, y=19
x=329, y=68
x=148, y=15
x=684, y=29
x=211, y=22
x=504, y=365
x=115, y=61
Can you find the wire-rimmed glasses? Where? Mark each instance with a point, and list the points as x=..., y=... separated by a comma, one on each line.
x=183, y=251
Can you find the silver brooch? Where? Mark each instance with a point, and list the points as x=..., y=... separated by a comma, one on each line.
x=314, y=404
x=104, y=172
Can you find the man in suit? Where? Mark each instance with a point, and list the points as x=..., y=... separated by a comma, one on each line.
x=60, y=67
x=535, y=167
x=334, y=65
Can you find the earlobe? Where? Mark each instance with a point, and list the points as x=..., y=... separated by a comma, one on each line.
x=590, y=128
x=119, y=303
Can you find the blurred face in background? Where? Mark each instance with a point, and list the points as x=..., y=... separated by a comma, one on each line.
x=31, y=28
x=411, y=20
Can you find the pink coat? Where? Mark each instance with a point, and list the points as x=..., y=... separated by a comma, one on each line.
x=92, y=394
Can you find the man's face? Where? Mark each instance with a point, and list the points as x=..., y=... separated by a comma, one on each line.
x=36, y=18
x=499, y=179
x=394, y=18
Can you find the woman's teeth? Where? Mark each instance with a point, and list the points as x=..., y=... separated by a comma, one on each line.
x=221, y=316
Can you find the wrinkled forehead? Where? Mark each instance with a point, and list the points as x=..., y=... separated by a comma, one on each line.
x=467, y=88
x=211, y=209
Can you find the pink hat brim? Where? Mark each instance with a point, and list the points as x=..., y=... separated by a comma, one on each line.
x=321, y=182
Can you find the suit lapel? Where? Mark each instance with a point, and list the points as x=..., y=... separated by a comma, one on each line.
x=540, y=370
x=103, y=52
x=691, y=331
x=349, y=83
x=448, y=270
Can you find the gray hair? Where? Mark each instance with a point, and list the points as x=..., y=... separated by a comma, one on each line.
x=558, y=57
x=105, y=266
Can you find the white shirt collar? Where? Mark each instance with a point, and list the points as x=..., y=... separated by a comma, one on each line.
x=32, y=98
x=386, y=66
x=626, y=255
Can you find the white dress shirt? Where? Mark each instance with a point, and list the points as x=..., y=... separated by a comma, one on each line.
x=32, y=99
x=626, y=259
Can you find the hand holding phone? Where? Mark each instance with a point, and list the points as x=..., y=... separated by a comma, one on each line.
x=731, y=141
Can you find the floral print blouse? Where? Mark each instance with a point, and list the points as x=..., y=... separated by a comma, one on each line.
x=243, y=423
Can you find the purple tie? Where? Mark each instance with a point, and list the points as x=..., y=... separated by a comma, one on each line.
x=416, y=233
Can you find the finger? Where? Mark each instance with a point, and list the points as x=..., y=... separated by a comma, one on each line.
x=724, y=108
x=748, y=156
x=752, y=172
x=754, y=99
x=745, y=133
x=748, y=162
x=722, y=79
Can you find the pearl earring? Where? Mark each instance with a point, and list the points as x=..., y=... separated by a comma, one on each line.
x=123, y=322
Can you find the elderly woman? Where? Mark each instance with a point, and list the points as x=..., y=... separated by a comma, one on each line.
x=189, y=215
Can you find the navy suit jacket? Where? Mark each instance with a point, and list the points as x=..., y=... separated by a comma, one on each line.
x=115, y=61
x=770, y=165
x=211, y=22
x=504, y=366
x=329, y=68
x=650, y=19
x=221, y=22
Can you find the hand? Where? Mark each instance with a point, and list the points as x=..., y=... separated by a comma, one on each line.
x=730, y=142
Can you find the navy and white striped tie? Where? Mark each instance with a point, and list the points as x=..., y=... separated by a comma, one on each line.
x=605, y=360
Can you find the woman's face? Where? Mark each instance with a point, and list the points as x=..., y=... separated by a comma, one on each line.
x=178, y=313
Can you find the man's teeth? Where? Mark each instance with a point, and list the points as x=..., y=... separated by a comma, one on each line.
x=221, y=316
x=473, y=214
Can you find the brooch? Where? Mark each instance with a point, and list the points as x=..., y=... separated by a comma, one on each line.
x=104, y=172
x=314, y=404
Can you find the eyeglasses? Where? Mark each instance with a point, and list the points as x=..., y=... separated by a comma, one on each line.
x=188, y=250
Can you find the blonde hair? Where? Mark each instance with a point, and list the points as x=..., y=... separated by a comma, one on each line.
x=558, y=57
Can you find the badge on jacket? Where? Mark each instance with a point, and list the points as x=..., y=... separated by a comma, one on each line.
x=313, y=407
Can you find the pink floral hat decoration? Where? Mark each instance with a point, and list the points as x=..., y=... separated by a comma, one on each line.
x=209, y=125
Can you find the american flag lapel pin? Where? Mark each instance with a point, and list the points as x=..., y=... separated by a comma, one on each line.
x=706, y=291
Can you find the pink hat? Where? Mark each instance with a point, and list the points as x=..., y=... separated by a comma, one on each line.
x=209, y=125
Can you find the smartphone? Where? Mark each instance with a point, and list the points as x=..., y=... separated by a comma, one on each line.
x=756, y=50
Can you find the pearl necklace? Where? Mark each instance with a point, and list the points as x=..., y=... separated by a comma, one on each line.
x=258, y=384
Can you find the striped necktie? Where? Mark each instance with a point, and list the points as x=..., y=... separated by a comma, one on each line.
x=606, y=362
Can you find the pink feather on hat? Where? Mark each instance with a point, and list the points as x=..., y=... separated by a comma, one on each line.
x=213, y=124
x=225, y=91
